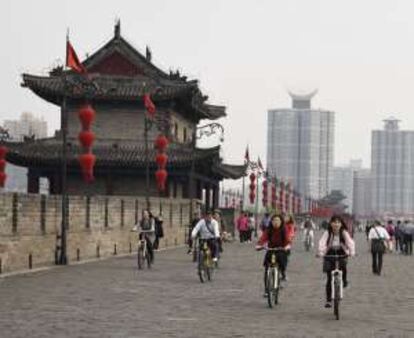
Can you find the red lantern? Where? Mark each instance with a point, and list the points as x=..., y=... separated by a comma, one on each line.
x=2, y=164
x=264, y=192
x=161, y=177
x=3, y=177
x=252, y=177
x=161, y=143
x=161, y=160
x=86, y=138
x=252, y=196
x=87, y=162
x=87, y=116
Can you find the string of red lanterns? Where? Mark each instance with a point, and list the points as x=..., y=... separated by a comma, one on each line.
x=86, y=138
x=3, y=176
x=252, y=186
x=264, y=192
x=161, y=158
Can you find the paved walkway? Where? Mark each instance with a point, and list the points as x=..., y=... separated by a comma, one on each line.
x=111, y=299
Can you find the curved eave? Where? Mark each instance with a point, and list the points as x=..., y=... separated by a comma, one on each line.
x=46, y=155
x=230, y=171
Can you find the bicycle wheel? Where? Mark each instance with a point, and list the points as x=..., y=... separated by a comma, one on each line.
x=277, y=286
x=140, y=258
x=201, y=268
x=148, y=259
x=270, y=282
x=336, y=298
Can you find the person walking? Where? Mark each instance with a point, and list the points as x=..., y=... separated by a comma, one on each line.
x=159, y=231
x=379, y=241
x=399, y=237
x=290, y=233
x=242, y=226
x=408, y=233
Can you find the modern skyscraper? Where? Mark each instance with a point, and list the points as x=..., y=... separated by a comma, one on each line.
x=362, y=199
x=392, y=158
x=26, y=126
x=300, y=145
x=343, y=180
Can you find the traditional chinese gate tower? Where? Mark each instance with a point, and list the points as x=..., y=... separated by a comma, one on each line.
x=121, y=76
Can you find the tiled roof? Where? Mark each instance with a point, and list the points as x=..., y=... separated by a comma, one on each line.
x=48, y=152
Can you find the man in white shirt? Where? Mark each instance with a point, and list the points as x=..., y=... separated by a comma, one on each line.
x=308, y=227
x=208, y=229
x=379, y=241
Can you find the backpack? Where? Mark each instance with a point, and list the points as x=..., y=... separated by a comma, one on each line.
x=377, y=244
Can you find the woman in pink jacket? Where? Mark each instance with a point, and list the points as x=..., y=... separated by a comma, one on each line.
x=242, y=225
x=335, y=240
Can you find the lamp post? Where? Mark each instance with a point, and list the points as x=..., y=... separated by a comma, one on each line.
x=86, y=88
x=198, y=132
x=162, y=125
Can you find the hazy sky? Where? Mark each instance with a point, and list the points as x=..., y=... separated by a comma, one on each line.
x=358, y=53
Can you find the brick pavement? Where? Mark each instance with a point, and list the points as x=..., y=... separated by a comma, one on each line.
x=111, y=299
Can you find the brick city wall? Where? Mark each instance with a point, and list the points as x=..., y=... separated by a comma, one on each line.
x=99, y=226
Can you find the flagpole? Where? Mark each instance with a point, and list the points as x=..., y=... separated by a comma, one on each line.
x=257, y=203
x=64, y=129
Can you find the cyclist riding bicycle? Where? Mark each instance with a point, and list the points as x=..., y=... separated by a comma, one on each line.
x=308, y=228
x=147, y=227
x=335, y=241
x=275, y=236
x=208, y=229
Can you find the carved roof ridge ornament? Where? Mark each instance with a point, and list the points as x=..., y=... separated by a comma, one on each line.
x=302, y=96
x=117, y=29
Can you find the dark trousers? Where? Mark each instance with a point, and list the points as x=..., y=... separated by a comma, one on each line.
x=408, y=244
x=377, y=262
x=328, y=286
x=243, y=236
x=156, y=243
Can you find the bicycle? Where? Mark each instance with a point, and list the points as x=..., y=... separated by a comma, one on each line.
x=336, y=284
x=273, y=277
x=308, y=240
x=205, y=262
x=143, y=255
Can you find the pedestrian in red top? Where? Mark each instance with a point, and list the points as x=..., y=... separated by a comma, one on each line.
x=275, y=236
x=290, y=232
x=242, y=225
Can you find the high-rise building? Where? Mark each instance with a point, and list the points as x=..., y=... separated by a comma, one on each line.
x=26, y=126
x=392, y=158
x=343, y=180
x=300, y=145
x=362, y=200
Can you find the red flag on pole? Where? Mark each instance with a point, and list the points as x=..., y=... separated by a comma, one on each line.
x=149, y=105
x=246, y=154
x=72, y=60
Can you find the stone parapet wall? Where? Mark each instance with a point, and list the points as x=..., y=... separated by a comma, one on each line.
x=99, y=226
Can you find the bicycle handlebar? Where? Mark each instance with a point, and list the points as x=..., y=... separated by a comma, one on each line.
x=335, y=256
x=275, y=249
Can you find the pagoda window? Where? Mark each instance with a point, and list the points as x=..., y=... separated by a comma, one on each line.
x=185, y=135
x=176, y=130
